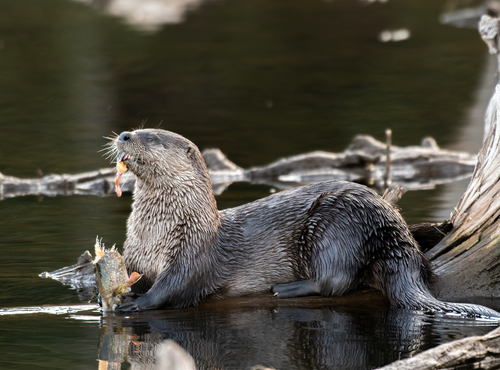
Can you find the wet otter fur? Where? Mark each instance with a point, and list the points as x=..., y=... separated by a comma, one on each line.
x=325, y=238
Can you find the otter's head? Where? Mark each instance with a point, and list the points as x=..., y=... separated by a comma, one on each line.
x=159, y=155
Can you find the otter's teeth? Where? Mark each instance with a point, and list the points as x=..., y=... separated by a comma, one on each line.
x=126, y=157
x=122, y=157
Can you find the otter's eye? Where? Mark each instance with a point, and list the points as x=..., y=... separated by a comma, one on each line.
x=151, y=140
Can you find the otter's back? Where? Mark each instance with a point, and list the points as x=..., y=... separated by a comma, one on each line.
x=271, y=230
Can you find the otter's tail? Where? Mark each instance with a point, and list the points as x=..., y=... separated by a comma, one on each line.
x=415, y=294
x=405, y=278
x=431, y=304
x=468, y=310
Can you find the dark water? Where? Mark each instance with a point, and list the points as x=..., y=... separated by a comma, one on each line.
x=258, y=79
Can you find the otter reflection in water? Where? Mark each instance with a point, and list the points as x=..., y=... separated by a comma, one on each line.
x=241, y=333
x=325, y=238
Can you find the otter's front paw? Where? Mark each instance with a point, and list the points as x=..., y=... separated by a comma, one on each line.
x=133, y=302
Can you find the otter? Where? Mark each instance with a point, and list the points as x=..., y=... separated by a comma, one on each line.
x=320, y=239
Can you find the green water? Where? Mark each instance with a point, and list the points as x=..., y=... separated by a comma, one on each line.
x=258, y=79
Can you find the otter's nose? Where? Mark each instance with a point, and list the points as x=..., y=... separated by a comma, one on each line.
x=125, y=136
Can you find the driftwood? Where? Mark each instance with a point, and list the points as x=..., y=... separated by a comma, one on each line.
x=478, y=352
x=98, y=182
x=469, y=17
x=467, y=260
x=427, y=234
x=79, y=276
x=470, y=253
x=365, y=161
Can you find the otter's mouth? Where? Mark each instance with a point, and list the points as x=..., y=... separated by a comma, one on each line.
x=123, y=163
x=127, y=158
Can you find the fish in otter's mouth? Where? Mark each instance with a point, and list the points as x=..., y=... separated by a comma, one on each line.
x=121, y=168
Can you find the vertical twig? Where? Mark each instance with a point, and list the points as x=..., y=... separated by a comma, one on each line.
x=387, y=176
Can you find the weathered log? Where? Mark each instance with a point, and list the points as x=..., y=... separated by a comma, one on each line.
x=427, y=234
x=394, y=194
x=98, y=182
x=470, y=253
x=478, y=352
x=363, y=161
x=79, y=276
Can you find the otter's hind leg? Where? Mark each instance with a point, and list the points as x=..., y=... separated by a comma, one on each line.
x=332, y=244
x=296, y=289
x=329, y=285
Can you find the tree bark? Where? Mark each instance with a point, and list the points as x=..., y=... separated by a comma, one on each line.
x=470, y=253
x=467, y=260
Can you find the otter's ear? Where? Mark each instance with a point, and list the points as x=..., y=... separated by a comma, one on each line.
x=196, y=159
x=190, y=151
